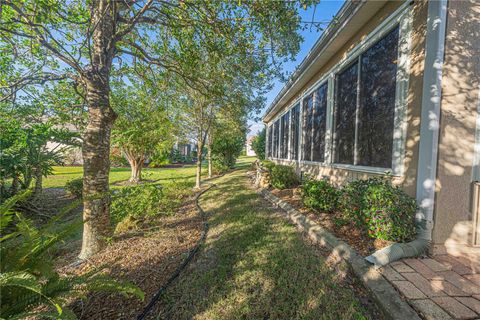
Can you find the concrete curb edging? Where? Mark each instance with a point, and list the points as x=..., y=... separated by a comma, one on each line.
x=384, y=294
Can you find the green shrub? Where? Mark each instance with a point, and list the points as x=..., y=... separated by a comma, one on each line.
x=283, y=177
x=389, y=212
x=148, y=200
x=75, y=187
x=351, y=202
x=268, y=164
x=319, y=195
x=258, y=144
x=383, y=210
x=29, y=283
x=135, y=201
x=174, y=194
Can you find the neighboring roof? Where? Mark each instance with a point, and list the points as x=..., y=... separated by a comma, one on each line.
x=351, y=16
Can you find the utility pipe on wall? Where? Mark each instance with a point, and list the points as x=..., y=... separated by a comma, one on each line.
x=429, y=135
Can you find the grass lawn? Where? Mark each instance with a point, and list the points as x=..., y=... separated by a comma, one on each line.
x=61, y=175
x=255, y=265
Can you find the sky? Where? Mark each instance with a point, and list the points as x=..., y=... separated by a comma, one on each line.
x=324, y=11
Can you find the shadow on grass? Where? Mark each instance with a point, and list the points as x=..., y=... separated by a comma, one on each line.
x=255, y=265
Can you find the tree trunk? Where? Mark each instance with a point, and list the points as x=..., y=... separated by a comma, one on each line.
x=136, y=165
x=199, y=163
x=209, y=155
x=96, y=167
x=37, y=191
x=96, y=139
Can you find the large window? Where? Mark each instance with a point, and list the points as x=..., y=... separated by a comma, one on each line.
x=295, y=135
x=285, y=120
x=365, y=106
x=307, y=127
x=320, y=123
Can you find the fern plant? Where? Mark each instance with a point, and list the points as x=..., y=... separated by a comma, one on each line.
x=29, y=284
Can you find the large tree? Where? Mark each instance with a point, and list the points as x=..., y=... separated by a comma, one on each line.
x=83, y=40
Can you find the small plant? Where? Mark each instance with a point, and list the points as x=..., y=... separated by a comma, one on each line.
x=319, y=195
x=135, y=201
x=283, y=177
x=30, y=286
x=75, y=187
x=148, y=200
x=380, y=208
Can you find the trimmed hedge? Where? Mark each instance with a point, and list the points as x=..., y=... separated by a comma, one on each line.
x=320, y=195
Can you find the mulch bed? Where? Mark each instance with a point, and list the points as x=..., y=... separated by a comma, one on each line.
x=146, y=259
x=355, y=237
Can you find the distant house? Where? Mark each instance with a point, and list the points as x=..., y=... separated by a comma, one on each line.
x=248, y=147
x=392, y=87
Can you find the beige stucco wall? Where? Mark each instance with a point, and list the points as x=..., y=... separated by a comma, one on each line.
x=460, y=85
x=339, y=175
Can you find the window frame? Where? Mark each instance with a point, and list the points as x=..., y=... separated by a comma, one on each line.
x=402, y=18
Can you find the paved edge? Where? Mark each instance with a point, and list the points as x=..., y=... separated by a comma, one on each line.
x=384, y=294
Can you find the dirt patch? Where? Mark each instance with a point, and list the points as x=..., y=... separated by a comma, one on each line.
x=147, y=259
x=354, y=236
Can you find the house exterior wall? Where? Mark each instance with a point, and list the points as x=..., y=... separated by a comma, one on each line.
x=340, y=176
x=458, y=164
x=459, y=112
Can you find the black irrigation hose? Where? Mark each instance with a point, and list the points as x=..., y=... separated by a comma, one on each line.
x=185, y=262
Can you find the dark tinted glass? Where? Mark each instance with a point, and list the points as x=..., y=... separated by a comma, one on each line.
x=295, y=133
x=344, y=119
x=285, y=133
x=320, y=123
x=377, y=102
x=307, y=127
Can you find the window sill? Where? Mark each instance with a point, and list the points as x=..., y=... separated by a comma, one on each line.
x=365, y=169
x=349, y=167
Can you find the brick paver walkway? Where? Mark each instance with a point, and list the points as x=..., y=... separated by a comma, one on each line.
x=442, y=287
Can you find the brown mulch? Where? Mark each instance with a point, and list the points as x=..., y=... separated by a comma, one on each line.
x=147, y=259
x=355, y=237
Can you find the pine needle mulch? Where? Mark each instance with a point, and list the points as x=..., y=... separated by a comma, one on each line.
x=147, y=259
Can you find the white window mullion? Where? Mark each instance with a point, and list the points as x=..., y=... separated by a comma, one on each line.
x=329, y=122
x=312, y=131
x=357, y=111
x=301, y=132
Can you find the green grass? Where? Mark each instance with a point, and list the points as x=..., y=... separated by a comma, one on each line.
x=63, y=174
x=255, y=265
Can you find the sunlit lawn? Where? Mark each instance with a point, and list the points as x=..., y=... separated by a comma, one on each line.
x=164, y=175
